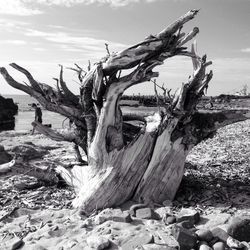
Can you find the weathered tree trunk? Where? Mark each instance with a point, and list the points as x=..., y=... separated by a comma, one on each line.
x=142, y=160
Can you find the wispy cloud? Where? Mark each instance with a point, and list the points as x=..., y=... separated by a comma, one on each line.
x=39, y=49
x=72, y=43
x=17, y=7
x=10, y=25
x=69, y=3
x=56, y=27
x=13, y=42
x=31, y=7
x=246, y=50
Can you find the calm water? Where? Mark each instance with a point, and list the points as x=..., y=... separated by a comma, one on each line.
x=26, y=114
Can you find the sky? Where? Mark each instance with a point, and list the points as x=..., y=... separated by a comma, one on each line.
x=40, y=34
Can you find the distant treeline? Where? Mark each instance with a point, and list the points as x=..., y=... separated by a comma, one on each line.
x=151, y=100
x=143, y=100
x=223, y=96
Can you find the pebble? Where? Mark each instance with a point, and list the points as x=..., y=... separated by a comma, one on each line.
x=98, y=242
x=185, y=238
x=188, y=214
x=239, y=228
x=246, y=245
x=154, y=247
x=123, y=217
x=170, y=220
x=204, y=235
x=186, y=224
x=221, y=234
x=204, y=246
x=219, y=246
x=163, y=238
x=146, y=213
x=233, y=243
x=163, y=212
x=113, y=214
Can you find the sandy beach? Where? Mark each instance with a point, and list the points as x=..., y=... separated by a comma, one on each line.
x=41, y=216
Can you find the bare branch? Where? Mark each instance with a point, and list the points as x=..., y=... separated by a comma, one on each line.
x=157, y=96
x=195, y=60
x=13, y=83
x=189, y=36
x=54, y=135
x=81, y=73
x=164, y=44
x=172, y=28
x=72, y=136
x=69, y=95
x=107, y=48
x=32, y=81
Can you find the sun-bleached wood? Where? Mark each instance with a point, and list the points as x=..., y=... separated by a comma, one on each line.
x=131, y=156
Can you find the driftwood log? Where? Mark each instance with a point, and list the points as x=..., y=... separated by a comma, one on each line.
x=126, y=161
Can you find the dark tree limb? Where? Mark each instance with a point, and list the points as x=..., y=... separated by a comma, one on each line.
x=130, y=155
x=72, y=136
x=68, y=94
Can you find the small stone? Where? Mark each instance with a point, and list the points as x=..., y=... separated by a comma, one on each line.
x=134, y=207
x=219, y=246
x=188, y=214
x=185, y=237
x=204, y=235
x=113, y=214
x=163, y=238
x=98, y=242
x=221, y=234
x=163, y=212
x=146, y=213
x=170, y=220
x=246, y=245
x=124, y=217
x=154, y=247
x=204, y=246
x=186, y=224
x=138, y=240
x=233, y=243
x=239, y=228
x=60, y=215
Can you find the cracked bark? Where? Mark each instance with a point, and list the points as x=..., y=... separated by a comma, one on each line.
x=144, y=160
